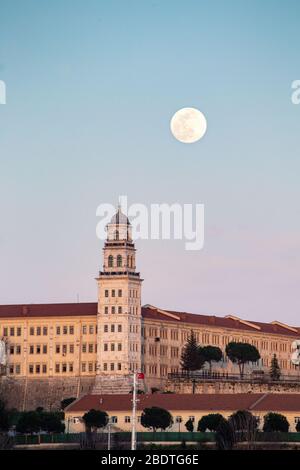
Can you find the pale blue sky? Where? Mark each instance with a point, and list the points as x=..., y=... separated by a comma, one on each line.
x=91, y=88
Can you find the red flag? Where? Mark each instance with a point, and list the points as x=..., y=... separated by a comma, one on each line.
x=140, y=375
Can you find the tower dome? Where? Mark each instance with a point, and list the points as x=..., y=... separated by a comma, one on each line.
x=119, y=218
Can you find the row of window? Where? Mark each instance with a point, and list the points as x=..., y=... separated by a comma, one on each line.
x=112, y=347
x=113, y=310
x=114, y=293
x=214, y=339
x=111, y=261
x=133, y=293
x=113, y=328
x=43, y=330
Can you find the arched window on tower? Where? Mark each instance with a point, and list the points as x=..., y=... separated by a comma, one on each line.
x=110, y=261
x=117, y=235
x=128, y=261
x=131, y=262
x=119, y=261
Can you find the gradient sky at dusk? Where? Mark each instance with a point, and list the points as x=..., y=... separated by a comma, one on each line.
x=91, y=87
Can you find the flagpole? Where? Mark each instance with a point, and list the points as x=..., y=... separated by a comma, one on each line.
x=133, y=428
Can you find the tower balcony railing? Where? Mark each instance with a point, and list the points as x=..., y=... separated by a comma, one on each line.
x=118, y=273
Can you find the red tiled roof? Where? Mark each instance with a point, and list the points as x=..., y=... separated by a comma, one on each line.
x=212, y=320
x=48, y=310
x=152, y=313
x=201, y=402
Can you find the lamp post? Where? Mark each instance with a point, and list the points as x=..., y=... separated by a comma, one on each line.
x=133, y=418
x=109, y=424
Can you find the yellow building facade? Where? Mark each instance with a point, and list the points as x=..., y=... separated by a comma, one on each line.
x=105, y=341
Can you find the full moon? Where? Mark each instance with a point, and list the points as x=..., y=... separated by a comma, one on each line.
x=188, y=125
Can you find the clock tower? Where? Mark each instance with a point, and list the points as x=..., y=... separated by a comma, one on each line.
x=119, y=310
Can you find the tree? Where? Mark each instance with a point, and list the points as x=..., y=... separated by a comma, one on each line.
x=66, y=402
x=156, y=418
x=275, y=371
x=211, y=354
x=243, y=420
x=191, y=357
x=189, y=425
x=29, y=422
x=51, y=422
x=298, y=426
x=275, y=422
x=4, y=417
x=210, y=422
x=241, y=354
x=95, y=419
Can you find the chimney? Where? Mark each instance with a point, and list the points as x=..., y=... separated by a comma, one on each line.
x=25, y=310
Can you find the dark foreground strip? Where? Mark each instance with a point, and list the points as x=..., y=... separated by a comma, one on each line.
x=55, y=459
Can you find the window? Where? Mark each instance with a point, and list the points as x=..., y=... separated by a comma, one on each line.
x=37, y=368
x=44, y=348
x=105, y=366
x=31, y=349
x=105, y=328
x=127, y=419
x=84, y=348
x=106, y=293
x=112, y=347
x=83, y=367
x=5, y=331
x=18, y=369
x=64, y=367
x=91, y=329
x=11, y=369
x=18, y=349
x=113, y=293
x=120, y=293
x=105, y=347
x=12, y=331
x=113, y=310
x=119, y=261
x=71, y=348
x=91, y=348
x=57, y=368
x=71, y=330
x=45, y=331
x=64, y=349
x=19, y=331
x=38, y=330
x=58, y=330
x=38, y=349
x=90, y=367
x=178, y=419
x=44, y=368
x=112, y=366
x=65, y=330
x=119, y=309
x=106, y=310
x=31, y=331
x=114, y=419
x=119, y=347
x=119, y=328
x=57, y=348
x=119, y=366
x=12, y=349
x=71, y=367
x=110, y=261
x=112, y=328
x=30, y=368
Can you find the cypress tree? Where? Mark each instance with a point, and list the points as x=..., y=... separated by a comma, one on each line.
x=275, y=371
x=191, y=357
